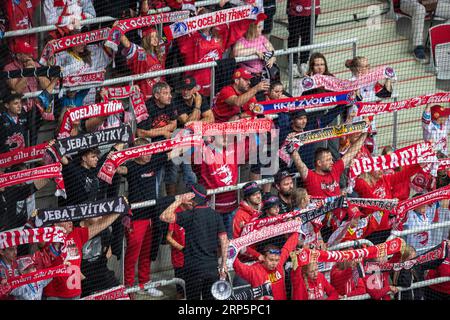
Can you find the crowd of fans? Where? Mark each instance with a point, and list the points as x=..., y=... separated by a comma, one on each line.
x=183, y=216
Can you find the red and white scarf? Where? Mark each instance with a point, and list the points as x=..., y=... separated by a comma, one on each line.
x=61, y=44
x=39, y=275
x=405, y=206
x=22, y=155
x=213, y=19
x=124, y=26
x=335, y=84
x=306, y=256
x=243, y=126
x=18, y=237
x=110, y=166
x=116, y=293
x=90, y=111
x=96, y=77
x=44, y=172
x=137, y=100
x=370, y=108
x=413, y=154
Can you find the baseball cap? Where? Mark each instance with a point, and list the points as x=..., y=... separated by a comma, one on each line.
x=23, y=47
x=438, y=111
x=24, y=263
x=188, y=83
x=242, y=73
x=298, y=114
x=250, y=188
x=200, y=193
x=270, y=202
x=281, y=175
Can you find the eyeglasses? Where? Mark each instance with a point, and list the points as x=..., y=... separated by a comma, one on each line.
x=274, y=251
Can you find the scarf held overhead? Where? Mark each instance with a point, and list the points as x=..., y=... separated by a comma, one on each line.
x=137, y=100
x=19, y=237
x=304, y=102
x=90, y=111
x=369, y=108
x=44, y=172
x=44, y=217
x=124, y=26
x=335, y=84
x=243, y=126
x=61, y=44
x=96, y=77
x=212, y=19
x=110, y=166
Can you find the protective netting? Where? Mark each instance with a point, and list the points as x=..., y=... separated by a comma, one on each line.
x=142, y=142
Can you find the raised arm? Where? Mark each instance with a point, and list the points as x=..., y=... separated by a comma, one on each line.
x=353, y=150
x=102, y=224
x=244, y=98
x=169, y=215
x=300, y=165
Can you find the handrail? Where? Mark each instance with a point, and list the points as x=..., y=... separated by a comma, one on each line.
x=198, y=66
x=433, y=226
x=86, y=22
x=348, y=244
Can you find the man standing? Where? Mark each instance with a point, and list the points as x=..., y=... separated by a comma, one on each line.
x=203, y=229
x=160, y=125
x=233, y=100
x=285, y=185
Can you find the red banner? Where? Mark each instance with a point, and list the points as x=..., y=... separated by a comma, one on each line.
x=116, y=293
x=18, y=237
x=96, y=77
x=137, y=100
x=22, y=155
x=243, y=126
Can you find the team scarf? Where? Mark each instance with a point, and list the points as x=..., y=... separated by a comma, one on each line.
x=213, y=19
x=22, y=155
x=368, y=203
x=78, y=212
x=95, y=77
x=73, y=145
x=39, y=275
x=335, y=84
x=267, y=232
x=54, y=46
x=136, y=98
x=369, y=108
x=306, y=215
x=90, y=111
x=437, y=253
x=43, y=172
x=116, y=293
x=410, y=155
x=304, y=102
x=243, y=126
x=14, y=238
x=305, y=256
x=124, y=26
x=317, y=135
x=410, y=204
x=110, y=166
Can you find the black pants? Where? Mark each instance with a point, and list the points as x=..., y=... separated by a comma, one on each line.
x=299, y=27
x=199, y=282
x=179, y=273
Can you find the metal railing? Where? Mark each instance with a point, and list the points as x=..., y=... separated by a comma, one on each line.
x=433, y=226
x=211, y=65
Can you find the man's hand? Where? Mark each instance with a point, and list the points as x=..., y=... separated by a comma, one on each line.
x=185, y=197
x=262, y=86
x=223, y=270
x=394, y=289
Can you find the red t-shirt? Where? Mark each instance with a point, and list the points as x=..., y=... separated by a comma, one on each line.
x=222, y=110
x=70, y=287
x=442, y=271
x=179, y=236
x=326, y=185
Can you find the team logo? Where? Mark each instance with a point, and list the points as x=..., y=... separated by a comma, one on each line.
x=351, y=97
x=258, y=108
x=17, y=140
x=180, y=28
x=255, y=10
x=142, y=56
x=116, y=35
x=307, y=83
x=393, y=246
x=231, y=252
x=299, y=8
x=389, y=72
x=109, y=168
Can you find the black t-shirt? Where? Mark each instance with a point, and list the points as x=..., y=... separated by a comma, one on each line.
x=142, y=181
x=12, y=134
x=202, y=226
x=183, y=108
x=284, y=207
x=14, y=213
x=81, y=184
x=158, y=117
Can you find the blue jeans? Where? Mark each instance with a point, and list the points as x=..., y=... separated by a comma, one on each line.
x=228, y=222
x=171, y=175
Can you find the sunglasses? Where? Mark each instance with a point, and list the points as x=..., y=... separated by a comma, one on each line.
x=274, y=251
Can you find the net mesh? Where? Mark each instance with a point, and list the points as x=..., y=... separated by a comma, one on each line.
x=186, y=182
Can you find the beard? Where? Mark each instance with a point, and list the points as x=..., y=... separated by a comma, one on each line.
x=286, y=193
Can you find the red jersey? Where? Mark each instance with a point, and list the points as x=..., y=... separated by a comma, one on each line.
x=316, y=289
x=20, y=16
x=377, y=285
x=244, y=215
x=442, y=271
x=70, y=287
x=199, y=48
x=346, y=282
x=256, y=274
x=179, y=236
x=220, y=169
x=140, y=61
x=222, y=110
